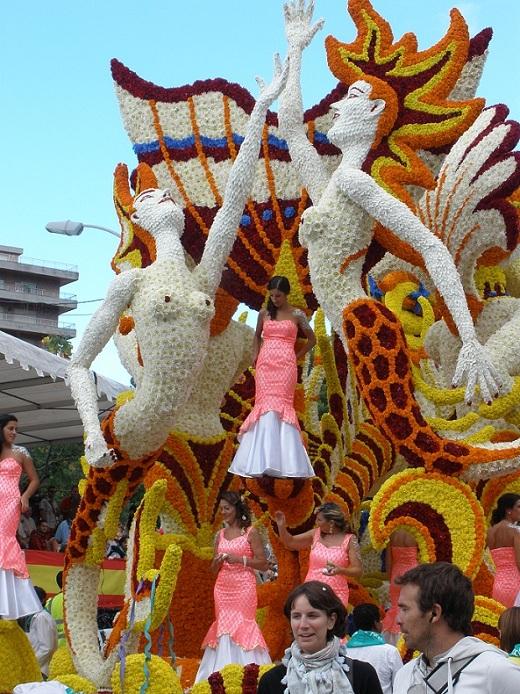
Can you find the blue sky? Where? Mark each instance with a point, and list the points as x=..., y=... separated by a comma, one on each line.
x=62, y=132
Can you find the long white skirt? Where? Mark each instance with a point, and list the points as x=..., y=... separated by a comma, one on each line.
x=17, y=596
x=271, y=447
x=227, y=652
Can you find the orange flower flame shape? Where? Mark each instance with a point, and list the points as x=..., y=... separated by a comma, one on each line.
x=415, y=85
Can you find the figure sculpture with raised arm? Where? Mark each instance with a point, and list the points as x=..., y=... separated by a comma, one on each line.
x=165, y=294
x=171, y=307
x=337, y=232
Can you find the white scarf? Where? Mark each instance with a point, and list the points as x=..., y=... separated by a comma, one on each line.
x=324, y=672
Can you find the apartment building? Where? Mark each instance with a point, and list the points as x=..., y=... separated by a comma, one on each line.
x=31, y=300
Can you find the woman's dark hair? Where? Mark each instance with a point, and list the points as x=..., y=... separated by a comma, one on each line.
x=321, y=597
x=242, y=509
x=283, y=285
x=366, y=616
x=4, y=420
x=505, y=502
x=333, y=513
x=509, y=626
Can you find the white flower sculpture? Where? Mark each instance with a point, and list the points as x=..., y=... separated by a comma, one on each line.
x=351, y=200
x=171, y=307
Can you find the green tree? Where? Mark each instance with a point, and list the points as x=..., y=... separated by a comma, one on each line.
x=58, y=345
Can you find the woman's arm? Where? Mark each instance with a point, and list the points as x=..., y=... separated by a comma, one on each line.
x=308, y=332
x=257, y=340
x=299, y=33
x=516, y=546
x=354, y=568
x=34, y=481
x=258, y=561
x=293, y=542
x=218, y=559
x=473, y=364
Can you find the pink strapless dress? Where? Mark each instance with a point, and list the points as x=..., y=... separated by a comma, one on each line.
x=318, y=558
x=507, y=577
x=234, y=636
x=17, y=596
x=270, y=439
x=403, y=559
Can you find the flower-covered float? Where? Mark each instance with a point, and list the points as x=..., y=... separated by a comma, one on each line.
x=400, y=301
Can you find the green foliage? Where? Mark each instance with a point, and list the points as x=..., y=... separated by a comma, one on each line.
x=58, y=466
x=58, y=345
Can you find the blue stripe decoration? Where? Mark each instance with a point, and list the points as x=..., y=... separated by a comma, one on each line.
x=212, y=143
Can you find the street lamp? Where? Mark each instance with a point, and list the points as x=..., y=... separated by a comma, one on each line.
x=70, y=228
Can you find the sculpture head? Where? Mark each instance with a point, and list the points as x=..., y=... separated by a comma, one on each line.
x=356, y=117
x=156, y=211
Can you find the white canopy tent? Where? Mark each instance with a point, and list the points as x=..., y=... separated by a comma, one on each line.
x=34, y=387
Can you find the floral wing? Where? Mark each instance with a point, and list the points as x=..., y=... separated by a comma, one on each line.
x=189, y=137
x=469, y=208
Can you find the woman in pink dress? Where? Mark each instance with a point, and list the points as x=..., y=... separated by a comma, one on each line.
x=270, y=438
x=334, y=555
x=503, y=540
x=234, y=636
x=401, y=555
x=17, y=596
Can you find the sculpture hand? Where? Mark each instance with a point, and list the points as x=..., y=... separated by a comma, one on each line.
x=269, y=92
x=474, y=365
x=299, y=29
x=97, y=453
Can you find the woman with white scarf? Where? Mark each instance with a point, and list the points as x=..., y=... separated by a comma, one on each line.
x=316, y=662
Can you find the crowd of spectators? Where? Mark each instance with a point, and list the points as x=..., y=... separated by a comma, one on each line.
x=45, y=526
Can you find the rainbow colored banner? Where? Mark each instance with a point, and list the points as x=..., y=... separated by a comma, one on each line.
x=43, y=567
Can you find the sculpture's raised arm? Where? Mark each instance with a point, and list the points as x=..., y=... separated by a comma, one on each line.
x=222, y=233
x=474, y=364
x=300, y=31
x=100, y=329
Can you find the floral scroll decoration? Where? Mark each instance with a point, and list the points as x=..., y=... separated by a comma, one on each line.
x=441, y=512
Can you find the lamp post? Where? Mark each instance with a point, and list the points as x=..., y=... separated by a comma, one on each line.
x=70, y=228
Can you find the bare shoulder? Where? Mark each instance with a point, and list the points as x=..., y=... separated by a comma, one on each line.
x=20, y=452
x=299, y=315
x=253, y=533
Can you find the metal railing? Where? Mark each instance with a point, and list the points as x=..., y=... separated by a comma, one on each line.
x=35, y=291
x=45, y=264
x=19, y=320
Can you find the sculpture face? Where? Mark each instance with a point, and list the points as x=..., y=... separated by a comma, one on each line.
x=155, y=209
x=356, y=116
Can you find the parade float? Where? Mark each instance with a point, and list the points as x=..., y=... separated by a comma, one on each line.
x=383, y=421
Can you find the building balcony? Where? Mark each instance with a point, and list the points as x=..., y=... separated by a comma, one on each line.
x=28, y=293
x=34, y=325
x=62, y=272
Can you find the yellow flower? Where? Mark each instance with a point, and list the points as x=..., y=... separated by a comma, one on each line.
x=61, y=663
x=163, y=678
x=441, y=512
x=17, y=660
x=78, y=683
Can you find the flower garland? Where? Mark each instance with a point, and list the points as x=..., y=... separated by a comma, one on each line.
x=485, y=619
x=490, y=490
x=441, y=512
